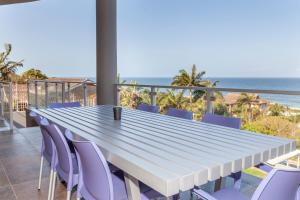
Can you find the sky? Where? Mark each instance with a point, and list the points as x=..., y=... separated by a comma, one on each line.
x=157, y=38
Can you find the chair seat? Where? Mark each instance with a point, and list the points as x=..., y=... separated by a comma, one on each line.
x=226, y=194
x=229, y=194
x=113, y=169
x=120, y=192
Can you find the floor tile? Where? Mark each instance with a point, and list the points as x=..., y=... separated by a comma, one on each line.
x=24, y=168
x=3, y=178
x=6, y=193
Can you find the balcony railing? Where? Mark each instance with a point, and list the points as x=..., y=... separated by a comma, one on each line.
x=209, y=91
x=6, y=107
x=41, y=93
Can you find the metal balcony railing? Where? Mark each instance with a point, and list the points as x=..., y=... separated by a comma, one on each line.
x=6, y=108
x=208, y=90
x=41, y=93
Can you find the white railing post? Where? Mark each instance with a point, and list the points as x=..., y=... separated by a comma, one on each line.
x=11, y=120
x=63, y=92
x=153, y=96
x=56, y=92
x=118, y=96
x=36, y=94
x=84, y=94
x=298, y=161
x=46, y=94
x=16, y=96
x=209, y=94
x=2, y=100
x=28, y=94
x=69, y=92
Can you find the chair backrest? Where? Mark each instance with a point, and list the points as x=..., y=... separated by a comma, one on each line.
x=148, y=108
x=230, y=122
x=56, y=105
x=64, y=156
x=94, y=173
x=46, y=142
x=180, y=113
x=71, y=104
x=65, y=105
x=279, y=184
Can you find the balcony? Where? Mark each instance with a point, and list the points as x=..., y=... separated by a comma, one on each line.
x=25, y=143
x=146, y=152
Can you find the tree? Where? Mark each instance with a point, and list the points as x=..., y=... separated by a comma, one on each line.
x=192, y=79
x=8, y=67
x=247, y=99
x=172, y=99
x=33, y=74
x=133, y=96
x=276, y=110
x=273, y=125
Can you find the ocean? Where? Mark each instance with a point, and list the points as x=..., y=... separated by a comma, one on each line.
x=289, y=84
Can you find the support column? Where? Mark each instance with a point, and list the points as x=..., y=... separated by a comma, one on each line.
x=106, y=22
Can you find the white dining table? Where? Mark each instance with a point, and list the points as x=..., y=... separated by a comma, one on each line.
x=166, y=153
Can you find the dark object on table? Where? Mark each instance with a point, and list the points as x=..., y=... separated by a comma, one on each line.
x=117, y=112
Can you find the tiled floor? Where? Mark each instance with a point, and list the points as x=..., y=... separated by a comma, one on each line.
x=19, y=167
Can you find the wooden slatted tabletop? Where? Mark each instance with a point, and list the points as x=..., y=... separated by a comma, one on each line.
x=169, y=154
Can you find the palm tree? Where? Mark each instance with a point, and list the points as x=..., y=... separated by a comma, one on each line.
x=7, y=67
x=276, y=109
x=192, y=79
x=247, y=99
x=172, y=99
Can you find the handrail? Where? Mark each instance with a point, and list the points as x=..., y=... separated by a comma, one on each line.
x=284, y=92
x=60, y=82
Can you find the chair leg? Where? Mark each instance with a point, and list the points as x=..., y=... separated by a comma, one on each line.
x=68, y=195
x=50, y=185
x=41, y=171
x=53, y=185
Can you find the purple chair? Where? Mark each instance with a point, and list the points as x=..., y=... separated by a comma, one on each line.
x=47, y=149
x=96, y=182
x=230, y=122
x=66, y=163
x=56, y=105
x=72, y=104
x=180, y=113
x=278, y=185
x=65, y=105
x=148, y=108
x=265, y=167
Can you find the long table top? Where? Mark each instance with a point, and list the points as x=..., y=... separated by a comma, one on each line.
x=169, y=154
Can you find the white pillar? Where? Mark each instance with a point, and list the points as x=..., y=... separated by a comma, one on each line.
x=106, y=22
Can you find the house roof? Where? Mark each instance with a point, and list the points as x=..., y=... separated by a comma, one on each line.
x=232, y=98
x=5, y=2
x=74, y=80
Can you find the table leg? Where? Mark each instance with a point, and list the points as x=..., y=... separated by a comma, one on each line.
x=218, y=183
x=132, y=187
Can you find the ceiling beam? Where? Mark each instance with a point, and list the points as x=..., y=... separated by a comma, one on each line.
x=5, y=2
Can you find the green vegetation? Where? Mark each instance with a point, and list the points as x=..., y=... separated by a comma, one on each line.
x=7, y=66
x=256, y=172
x=257, y=115
x=8, y=69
